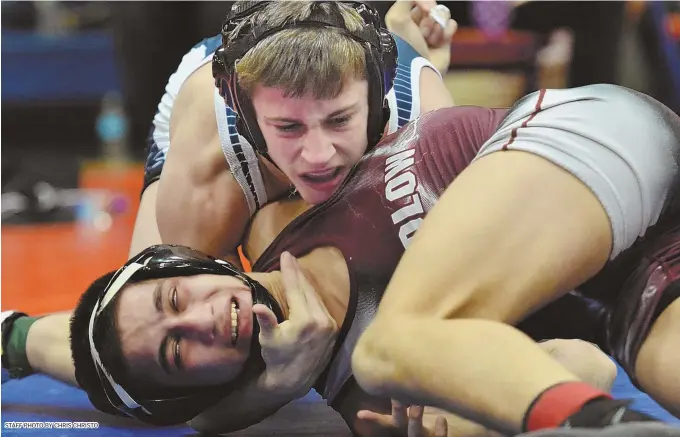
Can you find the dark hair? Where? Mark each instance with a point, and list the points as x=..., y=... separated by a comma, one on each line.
x=106, y=339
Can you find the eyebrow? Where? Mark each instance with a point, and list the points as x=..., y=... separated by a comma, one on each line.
x=162, y=349
x=157, y=298
x=331, y=115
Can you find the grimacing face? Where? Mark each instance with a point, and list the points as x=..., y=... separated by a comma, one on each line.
x=314, y=142
x=185, y=331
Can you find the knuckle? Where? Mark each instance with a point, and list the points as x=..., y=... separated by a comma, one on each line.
x=395, y=20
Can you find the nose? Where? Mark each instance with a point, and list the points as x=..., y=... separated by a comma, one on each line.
x=196, y=322
x=318, y=148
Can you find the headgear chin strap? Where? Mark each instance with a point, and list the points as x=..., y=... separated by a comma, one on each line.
x=170, y=261
x=379, y=46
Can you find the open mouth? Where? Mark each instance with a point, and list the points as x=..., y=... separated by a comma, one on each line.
x=321, y=177
x=234, y=321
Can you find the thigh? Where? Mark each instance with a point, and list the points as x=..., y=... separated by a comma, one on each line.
x=636, y=290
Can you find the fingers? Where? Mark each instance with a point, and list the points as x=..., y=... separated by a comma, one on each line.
x=437, y=27
x=441, y=427
x=308, y=314
x=417, y=14
x=451, y=29
x=400, y=415
x=402, y=8
x=406, y=421
x=382, y=420
x=291, y=283
x=315, y=304
x=425, y=6
x=266, y=319
x=415, y=422
x=431, y=31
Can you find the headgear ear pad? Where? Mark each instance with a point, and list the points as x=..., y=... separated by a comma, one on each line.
x=171, y=406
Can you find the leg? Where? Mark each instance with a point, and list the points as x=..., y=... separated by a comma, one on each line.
x=585, y=360
x=659, y=360
x=645, y=326
x=466, y=262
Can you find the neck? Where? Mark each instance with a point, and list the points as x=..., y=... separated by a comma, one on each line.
x=326, y=271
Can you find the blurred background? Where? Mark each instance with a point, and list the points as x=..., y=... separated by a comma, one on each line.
x=81, y=82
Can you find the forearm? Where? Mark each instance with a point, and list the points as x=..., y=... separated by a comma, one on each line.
x=241, y=409
x=48, y=348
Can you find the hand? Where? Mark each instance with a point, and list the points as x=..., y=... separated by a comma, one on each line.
x=407, y=421
x=297, y=350
x=420, y=24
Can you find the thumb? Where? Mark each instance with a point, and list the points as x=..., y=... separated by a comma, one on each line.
x=425, y=5
x=289, y=272
x=266, y=319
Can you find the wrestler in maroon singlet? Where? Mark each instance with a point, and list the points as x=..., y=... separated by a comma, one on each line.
x=373, y=216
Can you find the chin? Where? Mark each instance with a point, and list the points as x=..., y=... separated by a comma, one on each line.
x=316, y=198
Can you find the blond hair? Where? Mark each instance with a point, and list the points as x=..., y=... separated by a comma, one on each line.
x=303, y=61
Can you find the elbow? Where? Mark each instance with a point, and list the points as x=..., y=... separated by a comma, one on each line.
x=374, y=367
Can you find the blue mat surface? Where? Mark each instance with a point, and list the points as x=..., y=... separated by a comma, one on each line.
x=41, y=399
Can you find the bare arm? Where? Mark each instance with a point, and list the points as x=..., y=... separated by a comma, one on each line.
x=436, y=48
x=433, y=92
x=199, y=204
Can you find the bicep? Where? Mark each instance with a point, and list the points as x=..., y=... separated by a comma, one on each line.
x=209, y=215
x=145, y=232
x=199, y=203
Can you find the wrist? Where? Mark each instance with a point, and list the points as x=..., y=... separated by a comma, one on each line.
x=282, y=390
x=15, y=327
